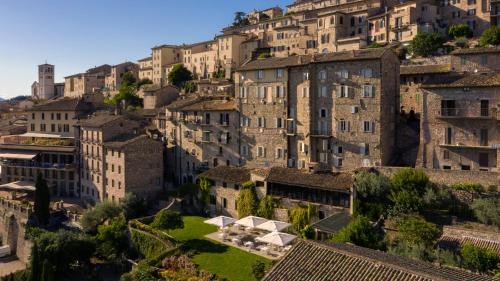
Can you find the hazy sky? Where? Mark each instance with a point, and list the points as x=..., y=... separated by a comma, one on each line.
x=75, y=35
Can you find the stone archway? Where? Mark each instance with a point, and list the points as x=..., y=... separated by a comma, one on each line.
x=12, y=226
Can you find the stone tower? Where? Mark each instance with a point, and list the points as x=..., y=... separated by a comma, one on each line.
x=45, y=81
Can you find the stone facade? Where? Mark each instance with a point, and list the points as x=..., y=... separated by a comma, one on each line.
x=13, y=220
x=146, y=68
x=92, y=80
x=114, y=79
x=476, y=60
x=202, y=133
x=459, y=125
x=322, y=111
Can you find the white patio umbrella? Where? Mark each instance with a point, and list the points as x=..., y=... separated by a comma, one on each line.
x=251, y=221
x=277, y=238
x=220, y=221
x=273, y=226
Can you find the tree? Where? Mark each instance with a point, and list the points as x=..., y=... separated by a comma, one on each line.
x=360, y=232
x=415, y=231
x=300, y=218
x=128, y=79
x=96, y=216
x=35, y=269
x=126, y=94
x=371, y=185
x=47, y=271
x=247, y=202
x=266, y=207
x=190, y=87
x=426, y=44
x=167, y=220
x=468, y=186
x=112, y=238
x=478, y=259
x=406, y=202
x=410, y=179
x=179, y=75
x=490, y=36
x=487, y=210
x=259, y=269
x=42, y=201
x=459, y=30
x=240, y=19
x=133, y=206
x=144, y=81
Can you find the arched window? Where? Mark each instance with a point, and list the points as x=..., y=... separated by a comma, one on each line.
x=325, y=51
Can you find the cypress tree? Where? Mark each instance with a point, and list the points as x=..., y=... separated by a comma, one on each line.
x=42, y=201
x=34, y=264
x=47, y=271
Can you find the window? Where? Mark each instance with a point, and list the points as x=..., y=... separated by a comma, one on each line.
x=368, y=126
x=344, y=125
x=484, y=160
x=206, y=136
x=323, y=113
x=305, y=75
x=224, y=203
x=344, y=91
x=280, y=93
x=446, y=154
x=484, y=59
x=261, y=151
x=58, y=116
x=260, y=74
x=471, y=12
x=483, y=138
x=213, y=200
x=280, y=123
x=366, y=73
x=322, y=75
x=323, y=91
x=364, y=149
x=43, y=116
x=243, y=92
x=279, y=73
x=344, y=74
x=244, y=150
x=305, y=92
x=52, y=127
x=279, y=153
x=245, y=121
x=262, y=92
x=449, y=135
x=65, y=116
x=42, y=127
x=261, y=122
x=32, y=127
x=303, y=147
x=368, y=91
x=463, y=61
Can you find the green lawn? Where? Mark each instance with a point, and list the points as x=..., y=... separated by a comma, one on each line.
x=225, y=261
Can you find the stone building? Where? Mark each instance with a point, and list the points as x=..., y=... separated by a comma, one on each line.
x=162, y=57
x=459, y=123
x=202, y=133
x=331, y=193
x=155, y=97
x=146, y=68
x=314, y=112
x=476, y=60
x=114, y=79
x=45, y=88
x=91, y=81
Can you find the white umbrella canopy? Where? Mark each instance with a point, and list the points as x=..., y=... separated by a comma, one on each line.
x=220, y=221
x=274, y=226
x=251, y=221
x=277, y=238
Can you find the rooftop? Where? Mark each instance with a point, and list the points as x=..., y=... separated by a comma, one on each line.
x=296, y=177
x=468, y=80
x=310, y=260
x=227, y=173
x=100, y=120
x=424, y=69
x=62, y=104
x=124, y=140
x=481, y=50
x=211, y=105
x=281, y=62
x=333, y=223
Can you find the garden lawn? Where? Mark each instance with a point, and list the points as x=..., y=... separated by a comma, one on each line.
x=225, y=261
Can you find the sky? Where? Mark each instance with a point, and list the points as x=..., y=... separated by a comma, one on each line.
x=75, y=35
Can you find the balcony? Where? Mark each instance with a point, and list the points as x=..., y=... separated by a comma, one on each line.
x=400, y=26
x=32, y=164
x=468, y=146
x=321, y=133
x=456, y=113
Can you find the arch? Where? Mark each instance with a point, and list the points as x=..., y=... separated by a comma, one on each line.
x=12, y=226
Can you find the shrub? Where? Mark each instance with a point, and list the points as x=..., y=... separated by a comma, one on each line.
x=374, y=45
x=167, y=220
x=264, y=56
x=360, y=232
x=490, y=36
x=133, y=206
x=461, y=42
x=179, y=75
x=459, y=30
x=406, y=202
x=468, y=186
x=410, y=179
x=426, y=44
x=247, y=202
x=112, y=239
x=437, y=197
x=415, y=230
x=478, y=259
x=492, y=188
x=370, y=185
x=259, y=269
x=300, y=218
x=96, y=216
x=266, y=207
x=487, y=210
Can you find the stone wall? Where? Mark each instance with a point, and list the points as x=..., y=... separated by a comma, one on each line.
x=449, y=177
x=13, y=219
x=463, y=232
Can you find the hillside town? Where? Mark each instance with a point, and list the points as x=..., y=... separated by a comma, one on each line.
x=324, y=140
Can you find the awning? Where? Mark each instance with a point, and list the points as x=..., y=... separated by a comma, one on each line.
x=18, y=155
x=39, y=135
x=19, y=186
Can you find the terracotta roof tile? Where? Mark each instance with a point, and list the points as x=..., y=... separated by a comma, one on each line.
x=62, y=104
x=211, y=105
x=313, y=261
x=424, y=69
x=227, y=173
x=335, y=181
x=460, y=81
x=481, y=50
